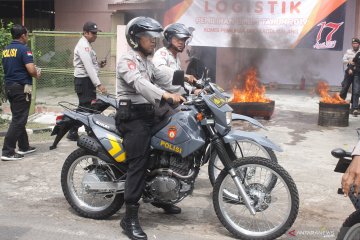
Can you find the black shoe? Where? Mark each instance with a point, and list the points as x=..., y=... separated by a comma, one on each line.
x=27, y=151
x=355, y=113
x=72, y=136
x=130, y=223
x=168, y=208
x=13, y=157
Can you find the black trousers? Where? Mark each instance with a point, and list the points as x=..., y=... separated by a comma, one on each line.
x=19, y=106
x=345, y=84
x=86, y=92
x=356, y=92
x=136, y=132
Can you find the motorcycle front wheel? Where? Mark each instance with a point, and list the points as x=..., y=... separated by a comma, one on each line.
x=350, y=229
x=276, y=208
x=242, y=148
x=81, y=165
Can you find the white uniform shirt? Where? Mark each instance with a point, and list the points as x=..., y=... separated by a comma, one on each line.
x=135, y=76
x=165, y=61
x=85, y=61
x=349, y=56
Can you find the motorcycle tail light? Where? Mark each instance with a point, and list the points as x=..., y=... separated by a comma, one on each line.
x=59, y=118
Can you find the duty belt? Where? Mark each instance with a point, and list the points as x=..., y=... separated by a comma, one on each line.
x=142, y=107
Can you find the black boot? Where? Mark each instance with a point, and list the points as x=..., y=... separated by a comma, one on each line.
x=168, y=208
x=73, y=134
x=130, y=223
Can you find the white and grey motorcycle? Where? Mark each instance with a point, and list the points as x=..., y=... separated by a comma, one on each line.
x=254, y=198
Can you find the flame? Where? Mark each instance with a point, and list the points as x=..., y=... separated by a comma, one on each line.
x=251, y=91
x=323, y=89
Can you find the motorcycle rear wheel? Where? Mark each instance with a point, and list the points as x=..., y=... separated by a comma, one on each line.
x=89, y=204
x=276, y=208
x=350, y=229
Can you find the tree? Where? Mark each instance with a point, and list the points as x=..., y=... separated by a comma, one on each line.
x=5, y=39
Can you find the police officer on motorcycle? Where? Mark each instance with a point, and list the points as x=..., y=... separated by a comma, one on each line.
x=138, y=100
x=167, y=58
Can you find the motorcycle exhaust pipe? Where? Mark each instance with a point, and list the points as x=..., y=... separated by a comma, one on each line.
x=170, y=172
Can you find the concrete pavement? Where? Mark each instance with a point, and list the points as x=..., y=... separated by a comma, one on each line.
x=32, y=205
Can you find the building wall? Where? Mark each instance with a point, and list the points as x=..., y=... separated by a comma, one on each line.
x=277, y=66
x=72, y=14
x=291, y=65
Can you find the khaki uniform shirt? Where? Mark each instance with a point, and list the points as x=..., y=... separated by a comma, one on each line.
x=85, y=61
x=165, y=61
x=136, y=79
x=356, y=151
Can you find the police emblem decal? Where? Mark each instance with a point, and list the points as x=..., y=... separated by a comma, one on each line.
x=131, y=65
x=172, y=132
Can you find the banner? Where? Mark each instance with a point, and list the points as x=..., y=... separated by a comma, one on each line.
x=285, y=24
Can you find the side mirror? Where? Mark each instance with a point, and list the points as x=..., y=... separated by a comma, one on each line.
x=178, y=78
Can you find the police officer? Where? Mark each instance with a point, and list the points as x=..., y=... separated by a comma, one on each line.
x=167, y=58
x=139, y=98
x=356, y=85
x=19, y=69
x=349, y=64
x=86, y=71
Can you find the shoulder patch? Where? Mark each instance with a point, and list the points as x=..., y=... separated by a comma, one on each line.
x=87, y=49
x=163, y=53
x=131, y=65
x=29, y=53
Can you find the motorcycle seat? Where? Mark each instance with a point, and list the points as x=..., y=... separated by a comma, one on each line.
x=106, y=122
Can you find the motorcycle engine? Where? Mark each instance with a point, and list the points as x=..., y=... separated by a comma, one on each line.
x=165, y=188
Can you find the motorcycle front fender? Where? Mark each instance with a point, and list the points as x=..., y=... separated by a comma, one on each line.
x=235, y=135
x=238, y=117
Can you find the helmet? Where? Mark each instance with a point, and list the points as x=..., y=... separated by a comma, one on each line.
x=177, y=30
x=140, y=26
x=355, y=40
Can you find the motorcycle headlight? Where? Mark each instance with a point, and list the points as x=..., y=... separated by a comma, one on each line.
x=228, y=118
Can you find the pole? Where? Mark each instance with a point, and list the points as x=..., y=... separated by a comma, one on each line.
x=23, y=12
x=34, y=82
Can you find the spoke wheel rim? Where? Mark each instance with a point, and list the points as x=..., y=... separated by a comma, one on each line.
x=247, y=226
x=86, y=201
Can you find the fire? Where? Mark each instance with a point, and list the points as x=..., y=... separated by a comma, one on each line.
x=323, y=89
x=251, y=91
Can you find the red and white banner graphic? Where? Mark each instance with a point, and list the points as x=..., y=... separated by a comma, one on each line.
x=285, y=24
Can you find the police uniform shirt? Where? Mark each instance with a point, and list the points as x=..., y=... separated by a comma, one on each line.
x=14, y=58
x=134, y=79
x=85, y=61
x=165, y=61
x=349, y=56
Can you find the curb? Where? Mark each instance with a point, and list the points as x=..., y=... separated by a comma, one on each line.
x=31, y=131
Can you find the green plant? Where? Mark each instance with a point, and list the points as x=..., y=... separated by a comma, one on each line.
x=5, y=39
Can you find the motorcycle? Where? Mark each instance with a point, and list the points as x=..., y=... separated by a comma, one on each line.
x=246, y=147
x=350, y=229
x=245, y=200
